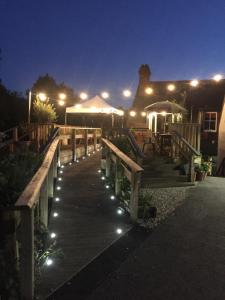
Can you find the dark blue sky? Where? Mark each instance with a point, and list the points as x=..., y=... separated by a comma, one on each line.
x=100, y=44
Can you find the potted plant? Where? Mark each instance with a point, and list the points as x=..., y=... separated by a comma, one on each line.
x=201, y=171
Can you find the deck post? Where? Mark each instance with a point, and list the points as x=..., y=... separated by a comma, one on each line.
x=117, y=177
x=95, y=139
x=27, y=254
x=135, y=187
x=198, y=138
x=50, y=181
x=191, y=169
x=74, y=156
x=44, y=203
x=107, y=163
x=85, y=142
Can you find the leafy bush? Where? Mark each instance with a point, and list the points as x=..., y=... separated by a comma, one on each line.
x=44, y=111
x=15, y=172
x=123, y=144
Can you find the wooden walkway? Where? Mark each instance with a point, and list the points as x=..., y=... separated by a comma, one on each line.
x=86, y=224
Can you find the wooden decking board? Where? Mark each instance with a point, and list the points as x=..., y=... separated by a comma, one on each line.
x=86, y=224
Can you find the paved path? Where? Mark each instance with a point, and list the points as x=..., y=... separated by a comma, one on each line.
x=183, y=259
x=86, y=224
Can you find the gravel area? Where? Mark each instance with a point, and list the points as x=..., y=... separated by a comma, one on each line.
x=166, y=200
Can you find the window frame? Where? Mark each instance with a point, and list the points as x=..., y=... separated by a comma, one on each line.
x=203, y=123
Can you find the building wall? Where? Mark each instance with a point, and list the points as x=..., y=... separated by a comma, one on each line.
x=221, y=138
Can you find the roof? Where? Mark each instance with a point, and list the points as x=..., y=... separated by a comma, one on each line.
x=94, y=105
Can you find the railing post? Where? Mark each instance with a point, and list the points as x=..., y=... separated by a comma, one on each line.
x=135, y=187
x=198, y=138
x=74, y=156
x=85, y=142
x=95, y=139
x=27, y=254
x=44, y=203
x=107, y=163
x=50, y=181
x=191, y=169
x=117, y=177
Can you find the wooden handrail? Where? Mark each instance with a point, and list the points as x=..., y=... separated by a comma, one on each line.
x=129, y=162
x=29, y=197
x=192, y=150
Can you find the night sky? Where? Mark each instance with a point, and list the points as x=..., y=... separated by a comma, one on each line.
x=99, y=44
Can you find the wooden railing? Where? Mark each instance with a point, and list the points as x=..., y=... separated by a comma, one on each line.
x=34, y=202
x=34, y=135
x=124, y=166
x=191, y=132
x=180, y=146
x=33, y=207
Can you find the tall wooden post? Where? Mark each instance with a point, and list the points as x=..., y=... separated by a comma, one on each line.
x=107, y=163
x=95, y=139
x=198, y=138
x=27, y=254
x=73, y=141
x=191, y=169
x=50, y=182
x=43, y=201
x=85, y=142
x=135, y=187
x=117, y=177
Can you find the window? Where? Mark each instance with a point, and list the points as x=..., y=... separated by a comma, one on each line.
x=210, y=121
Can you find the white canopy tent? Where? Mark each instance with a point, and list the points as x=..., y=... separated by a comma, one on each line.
x=96, y=105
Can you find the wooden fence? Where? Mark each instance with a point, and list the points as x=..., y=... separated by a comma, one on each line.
x=124, y=166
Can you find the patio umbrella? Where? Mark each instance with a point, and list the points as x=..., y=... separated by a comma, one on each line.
x=166, y=106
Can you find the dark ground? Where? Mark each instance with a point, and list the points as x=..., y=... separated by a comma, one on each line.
x=183, y=259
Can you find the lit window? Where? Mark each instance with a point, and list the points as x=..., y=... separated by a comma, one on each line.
x=210, y=121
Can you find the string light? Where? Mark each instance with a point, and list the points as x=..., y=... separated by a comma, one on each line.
x=53, y=235
x=143, y=114
x=59, y=179
x=77, y=160
x=163, y=113
x=57, y=199
x=83, y=96
x=107, y=186
x=58, y=188
x=70, y=163
x=103, y=178
x=105, y=95
x=127, y=93
x=42, y=96
x=171, y=87
x=55, y=214
x=62, y=166
x=132, y=113
x=61, y=102
x=194, y=83
x=217, y=77
x=119, y=230
x=62, y=96
x=112, y=197
x=149, y=90
x=61, y=172
x=99, y=171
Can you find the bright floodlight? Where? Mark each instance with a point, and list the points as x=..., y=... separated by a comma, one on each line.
x=119, y=230
x=171, y=87
x=61, y=102
x=83, y=96
x=105, y=95
x=127, y=93
x=217, y=77
x=132, y=113
x=53, y=235
x=42, y=96
x=143, y=114
x=62, y=96
x=194, y=83
x=49, y=261
x=149, y=90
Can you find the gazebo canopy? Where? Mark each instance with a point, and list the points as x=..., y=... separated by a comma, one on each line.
x=95, y=105
x=165, y=106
